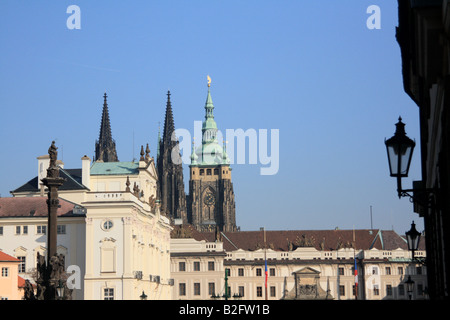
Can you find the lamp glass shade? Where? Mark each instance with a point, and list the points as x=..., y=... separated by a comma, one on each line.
x=413, y=238
x=60, y=289
x=399, y=150
x=410, y=284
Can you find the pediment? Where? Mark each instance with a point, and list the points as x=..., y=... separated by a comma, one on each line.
x=307, y=270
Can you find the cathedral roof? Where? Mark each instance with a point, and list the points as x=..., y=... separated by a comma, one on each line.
x=210, y=152
x=114, y=168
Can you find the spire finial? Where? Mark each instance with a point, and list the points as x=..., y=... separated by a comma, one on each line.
x=209, y=80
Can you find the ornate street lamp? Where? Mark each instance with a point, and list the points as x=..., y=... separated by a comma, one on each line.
x=400, y=150
x=60, y=290
x=143, y=296
x=413, y=238
x=410, y=286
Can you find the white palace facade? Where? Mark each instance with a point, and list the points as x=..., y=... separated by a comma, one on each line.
x=110, y=229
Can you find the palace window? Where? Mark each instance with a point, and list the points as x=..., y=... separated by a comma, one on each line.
x=182, y=289
x=210, y=265
x=196, y=289
x=401, y=290
x=108, y=294
x=241, y=291
x=389, y=290
x=22, y=264
x=41, y=229
x=272, y=291
x=182, y=266
x=211, y=288
x=259, y=291
x=196, y=266
x=61, y=229
x=376, y=290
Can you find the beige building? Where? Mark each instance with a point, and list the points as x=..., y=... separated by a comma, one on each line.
x=300, y=265
x=9, y=278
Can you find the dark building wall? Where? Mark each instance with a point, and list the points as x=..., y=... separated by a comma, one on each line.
x=423, y=34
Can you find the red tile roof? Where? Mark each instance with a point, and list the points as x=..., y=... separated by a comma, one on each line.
x=32, y=207
x=364, y=239
x=7, y=258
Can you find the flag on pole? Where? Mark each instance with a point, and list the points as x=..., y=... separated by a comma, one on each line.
x=265, y=282
x=356, y=280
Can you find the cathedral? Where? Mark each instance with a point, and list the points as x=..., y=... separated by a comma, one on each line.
x=210, y=203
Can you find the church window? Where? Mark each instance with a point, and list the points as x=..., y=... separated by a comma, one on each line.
x=202, y=172
x=208, y=172
x=216, y=171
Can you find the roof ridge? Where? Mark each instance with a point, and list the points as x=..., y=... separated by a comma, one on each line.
x=228, y=240
x=72, y=178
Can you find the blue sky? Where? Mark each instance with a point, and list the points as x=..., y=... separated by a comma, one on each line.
x=311, y=69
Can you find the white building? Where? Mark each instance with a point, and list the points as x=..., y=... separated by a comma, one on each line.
x=117, y=237
x=311, y=264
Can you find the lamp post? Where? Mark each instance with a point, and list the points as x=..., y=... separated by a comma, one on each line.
x=60, y=290
x=413, y=238
x=143, y=296
x=410, y=286
x=227, y=294
x=399, y=150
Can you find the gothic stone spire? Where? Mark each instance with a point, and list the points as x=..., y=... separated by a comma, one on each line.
x=105, y=146
x=170, y=173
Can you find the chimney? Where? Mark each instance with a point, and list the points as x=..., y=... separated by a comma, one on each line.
x=86, y=171
x=43, y=163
